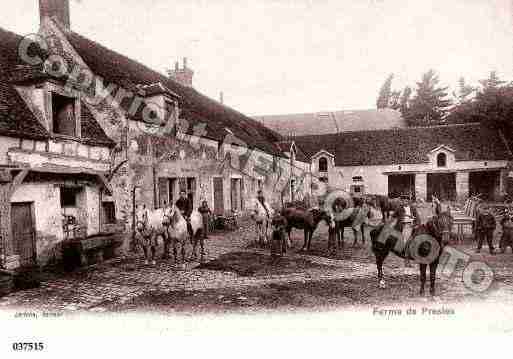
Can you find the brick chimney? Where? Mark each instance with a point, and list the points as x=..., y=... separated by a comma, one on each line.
x=58, y=9
x=182, y=75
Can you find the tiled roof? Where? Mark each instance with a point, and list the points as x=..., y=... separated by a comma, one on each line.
x=16, y=120
x=129, y=74
x=91, y=131
x=322, y=123
x=408, y=145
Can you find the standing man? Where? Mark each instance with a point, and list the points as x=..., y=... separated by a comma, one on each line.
x=184, y=204
x=408, y=218
x=485, y=227
x=205, y=212
x=262, y=222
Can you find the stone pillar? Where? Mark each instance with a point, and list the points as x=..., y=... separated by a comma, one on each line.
x=501, y=188
x=462, y=186
x=421, y=186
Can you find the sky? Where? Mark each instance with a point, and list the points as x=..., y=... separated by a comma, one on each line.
x=293, y=56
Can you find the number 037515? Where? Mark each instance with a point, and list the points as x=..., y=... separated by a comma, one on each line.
x=28, y=347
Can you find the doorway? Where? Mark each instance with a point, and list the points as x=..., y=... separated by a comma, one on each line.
x=442, y=185
x=218, y=196
x=402, y=185
x=485, y=183
x=23, y=232
x=236, y=194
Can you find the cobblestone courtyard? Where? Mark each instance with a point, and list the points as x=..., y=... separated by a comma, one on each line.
x=301, y=281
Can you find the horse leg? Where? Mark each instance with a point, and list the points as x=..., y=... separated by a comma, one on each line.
x=340, y=236
x=331, y=241
x=432, y=276
x=194, y=243
x=183, y=242
x=423, y=268
x=153, y=249
x=259, y=233
x=309, y=236
x=165, y=236
x=355, y=236
x=380, y=258
x=266, y=231
x=305, y=240
x=202, y=244
x=145, y=251
x=153, y=252
x=175, y=249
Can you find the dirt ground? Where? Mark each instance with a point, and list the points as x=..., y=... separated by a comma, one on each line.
x=328, y=283
x=239, y=277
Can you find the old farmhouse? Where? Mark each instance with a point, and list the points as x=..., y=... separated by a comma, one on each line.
x=87, y=134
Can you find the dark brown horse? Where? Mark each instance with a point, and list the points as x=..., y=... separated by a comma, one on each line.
x=425, y=247
x=308, y=220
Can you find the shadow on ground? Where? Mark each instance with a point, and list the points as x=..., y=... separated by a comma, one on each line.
x=256, y=264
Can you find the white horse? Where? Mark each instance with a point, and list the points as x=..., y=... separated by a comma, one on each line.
x=178, y=233
x=263, y=220
x=149, y=225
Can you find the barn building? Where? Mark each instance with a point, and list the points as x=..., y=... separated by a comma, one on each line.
x=374, y=151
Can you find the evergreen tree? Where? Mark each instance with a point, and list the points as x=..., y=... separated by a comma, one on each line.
x=492, y=106
x=385, y=93
x=395, y=100
x=464, y=91
x=405, y=100
x=429, y=106
x=492, y=82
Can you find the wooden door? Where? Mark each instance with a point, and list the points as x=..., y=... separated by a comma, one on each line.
x=191, y=190
x=23, y=232
x=163, y=192
x=218, y=196
x=234, y=194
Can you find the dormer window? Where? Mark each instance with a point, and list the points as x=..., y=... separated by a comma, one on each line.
x=323, y=164
x=441, y=160
x=64, y=115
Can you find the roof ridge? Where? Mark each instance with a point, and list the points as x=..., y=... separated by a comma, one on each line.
x=194, y=101
x=395, y=129
x=323, y=112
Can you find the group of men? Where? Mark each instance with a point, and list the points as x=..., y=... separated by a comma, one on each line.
x=485, y=228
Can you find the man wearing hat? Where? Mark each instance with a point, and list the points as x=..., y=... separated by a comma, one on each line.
x=485, y=227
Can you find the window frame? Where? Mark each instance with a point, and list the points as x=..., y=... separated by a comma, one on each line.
x=324, y=160
x=76, y=114
x=441, y=158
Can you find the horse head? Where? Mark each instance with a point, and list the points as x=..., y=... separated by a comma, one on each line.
x=167, y=216
x=172, y=216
